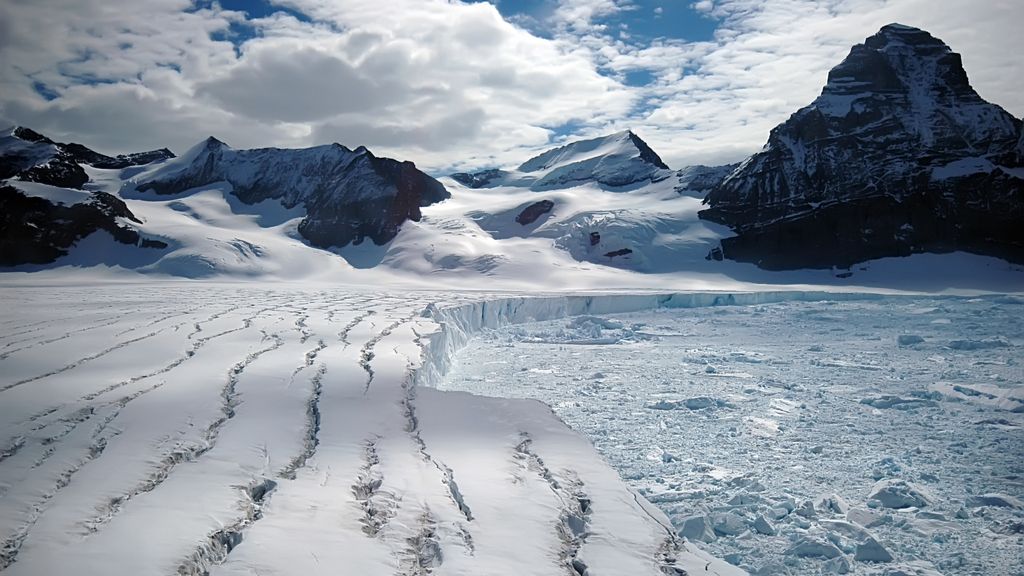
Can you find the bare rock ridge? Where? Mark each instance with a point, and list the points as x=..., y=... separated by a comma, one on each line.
x=898, y=155
x=348, y=195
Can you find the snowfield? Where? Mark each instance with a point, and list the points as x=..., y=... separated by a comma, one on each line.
x=197, y=429
x=882, y=435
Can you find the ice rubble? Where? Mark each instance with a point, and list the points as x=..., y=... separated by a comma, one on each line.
x=920, y=482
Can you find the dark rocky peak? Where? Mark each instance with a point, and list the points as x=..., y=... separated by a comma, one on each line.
x=29, y=135
x=898, y=155
x=479, y=179
x=212, y=143
x=901, y=59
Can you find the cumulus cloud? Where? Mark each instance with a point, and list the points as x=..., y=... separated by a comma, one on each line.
x=450, y=84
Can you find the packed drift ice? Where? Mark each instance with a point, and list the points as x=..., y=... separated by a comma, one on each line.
x=872, y=436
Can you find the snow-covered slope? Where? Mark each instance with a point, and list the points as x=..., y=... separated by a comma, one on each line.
x=898, y=155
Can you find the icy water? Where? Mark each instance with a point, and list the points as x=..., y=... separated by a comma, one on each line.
x=798, y=438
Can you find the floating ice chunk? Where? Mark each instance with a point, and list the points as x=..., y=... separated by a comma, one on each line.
x=728, y=524
x=814, y=548
x=896, y=493
x=866, y=518
x=871, y=550
x=807, y=509
x=838, y=565
x=909, y=339
x=696, y=403
x=978, y=344
x=697, y=528
x=897, y=402
x=834, y=503
x=847, y=529
x=743, y=499
x=763, y=526
x=916, y=568
x=701, y=402
x=993, y=499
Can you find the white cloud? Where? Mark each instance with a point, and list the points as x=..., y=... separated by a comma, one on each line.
x=451, y=84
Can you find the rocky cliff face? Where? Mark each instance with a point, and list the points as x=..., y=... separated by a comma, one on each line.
x=349, y=195
x=898, y=155
x=34, y=230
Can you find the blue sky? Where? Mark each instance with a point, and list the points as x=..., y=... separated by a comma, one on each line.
x=457, y=84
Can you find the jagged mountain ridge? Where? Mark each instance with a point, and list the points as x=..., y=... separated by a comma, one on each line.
x=608, y=201
x=29, y=156
x=898, y=155
x=51, y=204
x=348, y=195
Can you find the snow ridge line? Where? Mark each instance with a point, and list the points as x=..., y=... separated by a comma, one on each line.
x=24, y=327
x=10, y=547
x=123, y=401
x=154, y=322
x=220, y=544
x=666, y=556
x=62, y=337
x=120, y=403
x=196, y=345
x=42, y=324
x=574, y=517
x=229, y=397
x=81, y=361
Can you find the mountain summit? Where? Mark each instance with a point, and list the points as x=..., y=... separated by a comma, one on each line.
x=898, y=155
x=617, y=160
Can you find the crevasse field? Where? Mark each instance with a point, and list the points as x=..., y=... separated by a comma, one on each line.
x=874, y=436
x=226, y=429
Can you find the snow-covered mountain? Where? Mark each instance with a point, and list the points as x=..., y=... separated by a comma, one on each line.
x=615, y=161
x=898, y=155
x=348, y=195
x=29, y=156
